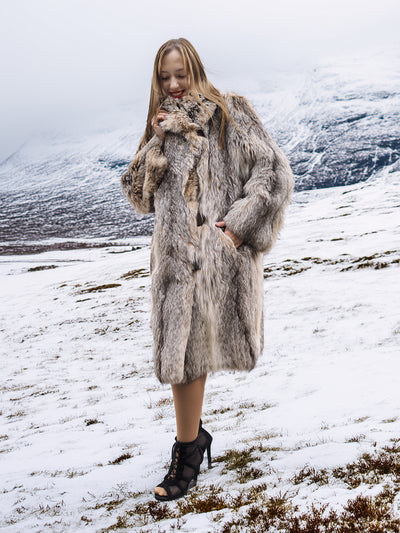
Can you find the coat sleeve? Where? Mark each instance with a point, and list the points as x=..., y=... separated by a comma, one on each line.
x=144, y=175
x=257, y=216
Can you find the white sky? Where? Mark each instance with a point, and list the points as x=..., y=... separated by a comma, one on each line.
x=65, y=62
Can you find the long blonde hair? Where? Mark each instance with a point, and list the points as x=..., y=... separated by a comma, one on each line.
x=198, y=84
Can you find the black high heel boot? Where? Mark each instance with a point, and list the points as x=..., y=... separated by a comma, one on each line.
x=183, y=471
x=205, y=440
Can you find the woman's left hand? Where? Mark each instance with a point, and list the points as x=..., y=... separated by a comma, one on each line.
x=234, y=238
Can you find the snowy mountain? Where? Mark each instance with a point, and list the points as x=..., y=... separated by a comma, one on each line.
x=339, y=124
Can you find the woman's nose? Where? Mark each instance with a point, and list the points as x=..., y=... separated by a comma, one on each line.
x=174, y=84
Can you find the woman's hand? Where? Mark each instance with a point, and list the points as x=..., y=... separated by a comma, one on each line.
x=159, y=117
x=234, y=238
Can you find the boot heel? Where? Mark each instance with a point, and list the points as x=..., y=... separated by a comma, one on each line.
x=209, y=455
x=205, y=440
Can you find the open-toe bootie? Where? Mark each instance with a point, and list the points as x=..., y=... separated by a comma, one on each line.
x=186, y=459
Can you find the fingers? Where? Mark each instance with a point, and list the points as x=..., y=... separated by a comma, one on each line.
x=159, y=117
x=236, y=241
x=234, y=238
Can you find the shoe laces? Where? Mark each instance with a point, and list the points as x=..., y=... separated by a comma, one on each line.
x=176, y=465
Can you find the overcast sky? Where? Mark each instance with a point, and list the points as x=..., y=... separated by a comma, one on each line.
x=65, y=62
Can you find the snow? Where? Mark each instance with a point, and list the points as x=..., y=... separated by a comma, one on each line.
x=78, y=389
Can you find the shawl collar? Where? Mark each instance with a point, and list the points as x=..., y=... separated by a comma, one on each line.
x=187, y=114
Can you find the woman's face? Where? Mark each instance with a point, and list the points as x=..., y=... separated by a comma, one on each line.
x=174, y=77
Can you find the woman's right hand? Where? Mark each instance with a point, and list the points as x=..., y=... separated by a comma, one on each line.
x=159, y=117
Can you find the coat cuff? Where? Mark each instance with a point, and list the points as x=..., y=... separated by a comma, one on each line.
x=244, y=220
x=144, y=176
x=257, y=218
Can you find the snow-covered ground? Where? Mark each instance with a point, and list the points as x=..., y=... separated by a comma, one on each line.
x=86, y=429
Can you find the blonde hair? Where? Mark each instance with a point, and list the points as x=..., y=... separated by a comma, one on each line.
x=198, y=85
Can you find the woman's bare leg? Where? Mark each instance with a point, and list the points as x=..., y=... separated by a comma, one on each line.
x=188, y=402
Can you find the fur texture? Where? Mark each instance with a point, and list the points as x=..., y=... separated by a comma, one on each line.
x=207, y=295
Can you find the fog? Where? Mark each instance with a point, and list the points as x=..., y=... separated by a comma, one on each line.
x=66, y=63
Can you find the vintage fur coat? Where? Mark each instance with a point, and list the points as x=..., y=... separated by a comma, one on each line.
x=207, y=295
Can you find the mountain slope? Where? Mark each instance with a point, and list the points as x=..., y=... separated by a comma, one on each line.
x=339, y=124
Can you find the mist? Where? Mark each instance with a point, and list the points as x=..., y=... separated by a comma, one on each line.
x=66, y=64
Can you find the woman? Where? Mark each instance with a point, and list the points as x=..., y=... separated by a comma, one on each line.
x=218, y=185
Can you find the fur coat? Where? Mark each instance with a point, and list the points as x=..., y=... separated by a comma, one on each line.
x=207, y=295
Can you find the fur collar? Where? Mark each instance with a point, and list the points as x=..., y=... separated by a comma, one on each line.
x=187, y=113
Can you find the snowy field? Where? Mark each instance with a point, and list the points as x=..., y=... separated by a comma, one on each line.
x=86, y=430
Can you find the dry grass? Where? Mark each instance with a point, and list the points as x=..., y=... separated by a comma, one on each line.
x=361, y=514
x=239, y=461
x=120, y=459
x=91, y=421
x=253, y=510
x=137, y=273
x=290, y=267
x=41, y=267
x=371, y=468
x=100, y=288
x=311, y=475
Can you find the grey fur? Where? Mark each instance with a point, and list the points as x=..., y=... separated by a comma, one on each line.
x=207, y=296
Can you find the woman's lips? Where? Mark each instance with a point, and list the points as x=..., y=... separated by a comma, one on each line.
x=177, y=94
